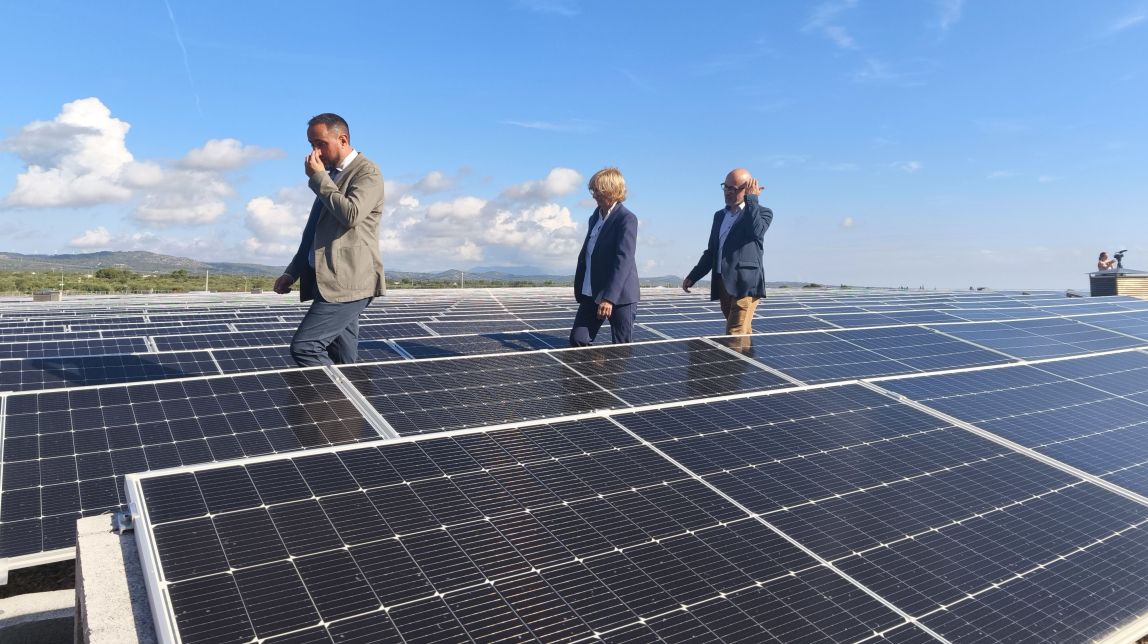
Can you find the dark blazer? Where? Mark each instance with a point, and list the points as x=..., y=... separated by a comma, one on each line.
x=344, y=223
x=741, y=260
x=613, y=270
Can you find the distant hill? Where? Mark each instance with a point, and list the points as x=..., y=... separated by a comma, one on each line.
x=135, y=261
x=146, y=262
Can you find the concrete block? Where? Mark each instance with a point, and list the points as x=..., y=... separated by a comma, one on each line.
x=38, y=618
x=111, y=595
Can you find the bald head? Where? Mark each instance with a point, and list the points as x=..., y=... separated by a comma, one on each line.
x=735, y=184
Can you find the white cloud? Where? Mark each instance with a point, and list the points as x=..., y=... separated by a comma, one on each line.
x=1000, y=174
x=1127, y=22
x=469, y=251
x=277, y=223
x=558, y=183
x=459, y=210
x=92, y=238
x=434, y=181
x=847, y=222
x=824, y=21
x=80, y=158
x=1044, y=178
x=907, y=166
x=185, y=197
x=76, y=159
x=949, y=13
x=226, y=154
x=572, y=125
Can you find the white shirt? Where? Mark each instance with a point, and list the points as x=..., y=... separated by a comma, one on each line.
x=731, y=215
x=590, y=243
x=346, y=161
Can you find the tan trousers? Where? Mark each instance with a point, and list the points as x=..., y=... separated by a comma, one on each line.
x=738, y=311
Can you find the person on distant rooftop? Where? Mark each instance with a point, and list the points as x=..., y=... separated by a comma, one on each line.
x=733, y=257
x=606, y=277
x=338, y=263
x=1105, y=263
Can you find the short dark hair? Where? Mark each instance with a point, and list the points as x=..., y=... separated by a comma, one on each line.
x=332, y=121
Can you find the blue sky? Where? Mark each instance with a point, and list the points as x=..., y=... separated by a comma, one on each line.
x=943, y=144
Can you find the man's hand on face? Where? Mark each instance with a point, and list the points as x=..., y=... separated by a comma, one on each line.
x=283, y=284
x=313, y=164
x=752, y=187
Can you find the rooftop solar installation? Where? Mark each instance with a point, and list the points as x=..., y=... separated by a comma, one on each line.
x=870, y=466
x=65, y=452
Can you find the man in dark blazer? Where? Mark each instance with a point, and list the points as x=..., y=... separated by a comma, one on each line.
x=733, y=257
x=338, y=263
x=606, y=278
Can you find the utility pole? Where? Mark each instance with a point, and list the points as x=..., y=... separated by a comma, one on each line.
x=206, y=280
x=462, y=279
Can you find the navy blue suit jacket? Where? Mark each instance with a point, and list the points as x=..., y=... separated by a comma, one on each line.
x=741, y=260
x=613, y=269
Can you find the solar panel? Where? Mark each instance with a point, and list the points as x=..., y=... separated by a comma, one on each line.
x=264, y=358
x=459, y=345
x=925, y=514
x=556, y=532
x=27, y=374
x=921, y=348
x=222, y=340
x=1076, y=422
x=815, y=357
x=1134, y=324
x=1032, y=339
x=65, y=452
x=760, y=325
x=66, y=348
x=648, y=373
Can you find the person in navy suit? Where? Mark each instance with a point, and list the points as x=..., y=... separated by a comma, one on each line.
x=734, y=255
x=606, y=278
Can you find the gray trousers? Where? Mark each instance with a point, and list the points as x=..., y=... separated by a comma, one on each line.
x=329, y=333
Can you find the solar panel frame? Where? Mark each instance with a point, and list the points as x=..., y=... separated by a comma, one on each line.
x=637, y=587
x=93, y=436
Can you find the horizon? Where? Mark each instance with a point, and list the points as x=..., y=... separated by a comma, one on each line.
x=943, y=144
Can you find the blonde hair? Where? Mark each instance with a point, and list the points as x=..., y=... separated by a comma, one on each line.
x=609, y=183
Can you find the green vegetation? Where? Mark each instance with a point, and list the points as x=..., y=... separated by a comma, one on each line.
x=121, y=280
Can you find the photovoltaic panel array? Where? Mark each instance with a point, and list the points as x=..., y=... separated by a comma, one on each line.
x=551, y=533
x=1091, y=413
x=65, y=453
x=629, y=532
x=434, y=395
x=925, y=509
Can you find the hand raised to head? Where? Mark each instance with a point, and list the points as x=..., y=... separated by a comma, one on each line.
x=313, y=163
x=752, y=187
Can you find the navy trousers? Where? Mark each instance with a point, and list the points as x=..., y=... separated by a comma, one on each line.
x=586, y=324
x=329, y=333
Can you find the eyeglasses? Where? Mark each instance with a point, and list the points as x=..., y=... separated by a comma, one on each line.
x=729, y=188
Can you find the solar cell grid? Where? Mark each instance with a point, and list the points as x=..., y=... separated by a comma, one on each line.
x=1134, y=324
x=815, y=357
x=921, y=348
x=186, y=341
x=1032, y=339
x=65, y=452
x=561, y=541
x=923, y=513
x=30, y=374
x=643, y=374
x=424, y=396
x=67, y=348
